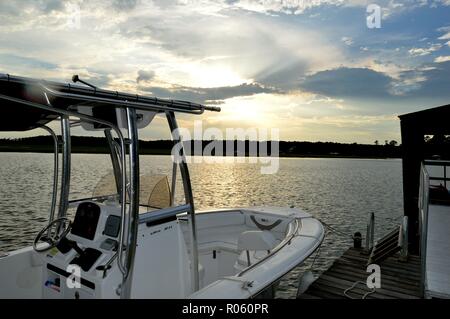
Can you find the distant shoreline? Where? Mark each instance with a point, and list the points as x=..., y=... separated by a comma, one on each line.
x=285, y=149
x=37, y=151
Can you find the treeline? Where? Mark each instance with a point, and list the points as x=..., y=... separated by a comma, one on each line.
x=84, y=144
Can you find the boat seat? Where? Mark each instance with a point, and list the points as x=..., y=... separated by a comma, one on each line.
x=253, y=246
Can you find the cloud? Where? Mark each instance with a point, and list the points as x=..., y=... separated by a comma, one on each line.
x=242, y=53
x=441, y=59
x=349, y=82
x=124, y=4
x=436, y=84
x=269, y=50
x=207, y=95
x=446, y=36
x=8, y=59
x=52, y=5
x=424, y=51
x=347, y=40
x=145, y=76
x=428, y=81
x=283, y=6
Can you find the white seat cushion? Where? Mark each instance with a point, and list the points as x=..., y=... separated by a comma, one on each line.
x=254, y=245
x=256, y=240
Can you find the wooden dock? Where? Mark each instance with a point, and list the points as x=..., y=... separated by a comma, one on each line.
x=399, y=280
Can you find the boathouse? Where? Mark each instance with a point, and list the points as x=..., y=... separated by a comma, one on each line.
x=424, y=137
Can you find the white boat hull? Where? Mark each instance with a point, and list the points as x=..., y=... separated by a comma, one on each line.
x=163, y=258
x=298, y=235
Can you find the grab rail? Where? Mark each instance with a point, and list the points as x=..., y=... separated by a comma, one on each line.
x=286, y=241
x=444, y=165
x=163, y=213
x=55, y=171
x=423, y=222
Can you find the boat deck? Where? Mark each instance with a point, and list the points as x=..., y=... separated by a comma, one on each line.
x=438, y=252
x=399, y=280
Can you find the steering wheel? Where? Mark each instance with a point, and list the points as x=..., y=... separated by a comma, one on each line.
x=54, y=232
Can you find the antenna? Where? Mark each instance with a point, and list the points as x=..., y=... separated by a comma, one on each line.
x=76, y=78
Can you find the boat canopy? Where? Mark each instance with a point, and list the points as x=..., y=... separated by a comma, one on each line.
x=21, y=96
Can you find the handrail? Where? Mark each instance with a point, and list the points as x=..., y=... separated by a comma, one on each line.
x=436, y=163
x=65, y=167
x=133, y=207
x=114, y=158
x=423, y=222
x=101, y=198
x=163, y=213
x=174, y=183
x=180, y=158
x=444, y=165
x=292, y=232
x=55, y=171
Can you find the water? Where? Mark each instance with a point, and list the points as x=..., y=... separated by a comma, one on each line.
x=341, y=192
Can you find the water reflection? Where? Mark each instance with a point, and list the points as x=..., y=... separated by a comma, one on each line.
x=339, y=191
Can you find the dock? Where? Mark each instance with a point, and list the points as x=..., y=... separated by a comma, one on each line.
x=399, y=279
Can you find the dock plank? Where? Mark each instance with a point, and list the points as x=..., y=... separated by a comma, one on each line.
x=399, y=279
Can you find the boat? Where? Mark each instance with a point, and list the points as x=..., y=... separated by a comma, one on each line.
x=131, y=239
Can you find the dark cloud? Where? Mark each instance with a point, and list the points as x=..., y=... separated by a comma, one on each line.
x=375, y=93
x=124, y=4
x=52, y=5
x=287, y=77
x=349, y=82
x=437, y=83
x=164, y=4
x=209, y=95
x=145, y=76
x=18, y=8
x=11, y=59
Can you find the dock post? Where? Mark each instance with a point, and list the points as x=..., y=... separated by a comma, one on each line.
x=357, y=239
x=370, y=231
x=404, y=239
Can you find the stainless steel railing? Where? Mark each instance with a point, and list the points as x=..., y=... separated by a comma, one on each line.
x=423, y=222
x=55, y=171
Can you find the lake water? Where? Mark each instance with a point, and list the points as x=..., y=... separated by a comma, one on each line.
x=340, y=192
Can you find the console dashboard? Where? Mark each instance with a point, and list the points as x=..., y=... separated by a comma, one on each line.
x=94, y=233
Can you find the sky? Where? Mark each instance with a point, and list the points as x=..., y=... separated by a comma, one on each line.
x=312, y=69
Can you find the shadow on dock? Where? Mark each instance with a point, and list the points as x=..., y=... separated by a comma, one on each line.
x=399, y=279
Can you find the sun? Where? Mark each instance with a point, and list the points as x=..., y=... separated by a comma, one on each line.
x=247, y=109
